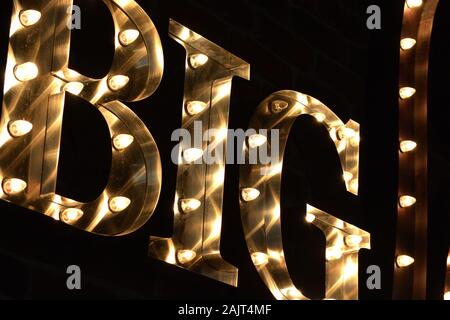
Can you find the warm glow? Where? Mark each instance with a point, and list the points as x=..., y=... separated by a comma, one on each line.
x=118, y=204
x=249, y=194
x=71, y=215
x=278, y=105
x=13, y=186
x=292, y=293
x=320, y=117
x=347, y=176
x=189, y=205
x=185, y=256
x=256, y=140
x=353, y=240
x=74, y=87
x=192, y=154
x=406, y=201
x=260, y=258
x=19, y=128
x=333, y=253
x=116, y=83
x=198, y=60
x=414, y=3
x=407, y=146
x=407, y=43
x=310, y=217
x=346, y=133
x=404, y=261
x=29, y=17
x=122, y=141
x=354, y=184
x=407, y=92
x=26, y=71
x=127, y=37
x=195, y=107
x=447, y=296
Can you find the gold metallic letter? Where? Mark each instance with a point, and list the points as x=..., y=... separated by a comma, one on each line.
x=261, y=213
x=37, y=79
x=195, y=244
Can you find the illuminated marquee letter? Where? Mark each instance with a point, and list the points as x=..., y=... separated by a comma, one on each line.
x=37, y=80
x=195, y=244
x=261, y=214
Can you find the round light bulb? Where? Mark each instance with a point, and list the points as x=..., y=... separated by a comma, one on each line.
x=198, y=60
x=407, y=146
x=278, y=105
x=404, y=261
x=189, y=205
x=116, y=83
x=414, y=3
x=346, y=133
x=259, y=258
x=122, y=141
x=71, y=215
x=406, y=201
x=74, y=87
x=353, y=240
x=185, y=256
x=13, y=186
x=19, y=128
x=250, y=194
x=195, y=107
x=256, y=140
x=310, y=217
x=29, y=17
x=333, y=253
x=128, y=36
x=407, y=43
x=407, y=92
x=26, y=71
x=118, y=204
x=192, y=154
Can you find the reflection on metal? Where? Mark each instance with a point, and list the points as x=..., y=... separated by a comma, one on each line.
x=261, y=216
x=195, y=244
x=37, y=79
x=412, y=217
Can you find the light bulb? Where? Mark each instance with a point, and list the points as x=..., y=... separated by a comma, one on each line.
x=249, y=194
x=345, y=133
x=320, y=117
x=333, y=253
x=189, y=205
x=404, y=261
x=19, y=128
x=26, y=71
x=13, y=186
x=353, y=240
x=406, y=201
x=118, y=204
x=128, y=36
x=185, y=256
x=192, y=154
x=260, y=258
x=74, y=87
x=122, y=141
x=195, y=107
x=278, y=105
x=310, y=217
x=116, y=83
x=414, y=3
x=71, y=215
x=29, y=17
x=407, y=43
x=256, y=140
x=407, y=92
x=198, y=60
x=447, y=296
x=347, y=176
x=407, y=146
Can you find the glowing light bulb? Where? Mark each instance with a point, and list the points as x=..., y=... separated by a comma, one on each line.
x=116, y=83
x=185, y=256
x=447, y=295
x=346, y=133
x=310, y=217
x=29, y=17
x=19, y=128
x=278, y=105
x=198, y=60
x=404, y=261
x=118, y=204
x=407, y=92
x=192, y=154
x=71, y=215
x=407, y=43
x=347, y=176
x=256, y=140
x=406, y=201
x=195, y=107
x=249, y=194
x=407, y=146
x=122, y=141
x=26, y=71
x=414, y=3
x=333, y=253
x=74, y=87
x=189, y=205
x=320, y=117
x=353, y=240
x=128, y=36
x=13, y=186
x=260, y=258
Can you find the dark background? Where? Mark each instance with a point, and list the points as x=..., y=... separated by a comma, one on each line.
x=321, y=48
